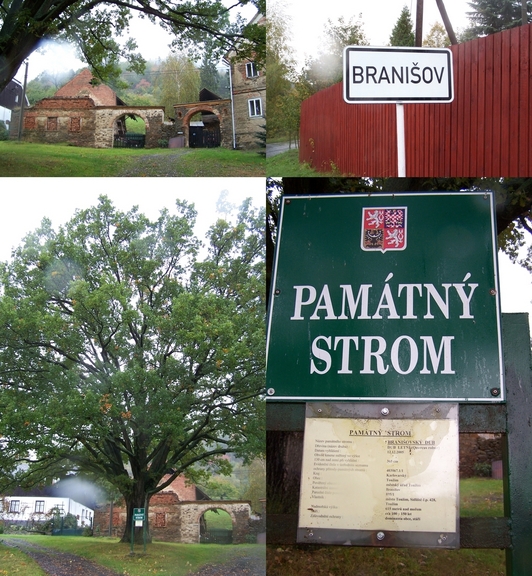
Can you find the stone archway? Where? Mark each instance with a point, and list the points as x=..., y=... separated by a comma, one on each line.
x=192, y=513
x=128, y=135
x=107, y=118
x=216, y=526
x=216, y=120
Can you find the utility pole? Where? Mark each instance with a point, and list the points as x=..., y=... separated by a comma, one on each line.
x=447, y=22
x=21, y=116
x=419, y=23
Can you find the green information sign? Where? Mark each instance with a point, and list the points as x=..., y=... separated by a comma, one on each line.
x=386, y=296
x=138, y=514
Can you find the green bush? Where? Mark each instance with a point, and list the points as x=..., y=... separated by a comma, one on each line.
x=4, y=133
x=482, y=469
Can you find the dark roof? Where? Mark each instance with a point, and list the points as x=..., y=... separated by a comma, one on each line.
x=206, y=95
x=11, y=95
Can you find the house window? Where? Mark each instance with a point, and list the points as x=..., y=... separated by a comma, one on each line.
x=52, y=124
x=160, y=519
x=39, y=507
x=75, y=124
x=251, y=70
x=14, y=506
x=255, y=107
x=29, y=122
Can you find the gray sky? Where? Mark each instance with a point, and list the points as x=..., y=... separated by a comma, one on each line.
x=29, y=200
x=307, y=19
x=153, y=43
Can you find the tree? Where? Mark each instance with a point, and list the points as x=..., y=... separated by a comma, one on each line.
x=403, y=31
x=280, y=64
x=95, y=25
x=126, y=356
x=490, y=16
x=179, y=82
x=437, y=37
x=326, y=70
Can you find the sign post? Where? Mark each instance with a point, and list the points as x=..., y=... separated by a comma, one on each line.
x=397, y=75
x=139, y=516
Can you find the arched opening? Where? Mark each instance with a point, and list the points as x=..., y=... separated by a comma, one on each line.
x=129, y=131
x=216, y=527
x=204, y=130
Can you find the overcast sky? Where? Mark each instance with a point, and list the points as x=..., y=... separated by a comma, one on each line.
x=153, y=43
x=29, y=200
x=307, y=19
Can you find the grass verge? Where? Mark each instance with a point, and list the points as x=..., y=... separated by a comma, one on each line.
x=160, y=558
x=478, y=497
x=287, y=164
x=15, y=563
x=43, y=160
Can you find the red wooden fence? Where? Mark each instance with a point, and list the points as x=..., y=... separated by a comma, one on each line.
x=485, y=131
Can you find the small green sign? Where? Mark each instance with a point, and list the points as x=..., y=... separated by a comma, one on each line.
x=386, y=296
x=138, y=514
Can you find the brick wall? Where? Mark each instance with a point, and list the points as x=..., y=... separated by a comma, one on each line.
x=481, y=449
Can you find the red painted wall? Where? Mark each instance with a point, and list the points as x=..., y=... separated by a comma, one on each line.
x=485, y=131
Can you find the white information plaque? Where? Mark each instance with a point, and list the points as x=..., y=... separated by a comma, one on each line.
x=381, y=475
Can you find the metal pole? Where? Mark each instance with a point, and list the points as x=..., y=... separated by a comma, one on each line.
x=21, y=116
x=401, y=156
x=228, y=62
x=419, y=23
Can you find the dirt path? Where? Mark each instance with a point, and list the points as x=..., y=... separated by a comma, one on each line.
x=57, y=563
x=249, y=563
x=154, y=165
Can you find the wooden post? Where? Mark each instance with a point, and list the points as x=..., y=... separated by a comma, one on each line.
x=285, y=424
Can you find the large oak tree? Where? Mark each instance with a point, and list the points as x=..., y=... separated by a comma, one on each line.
x=126, y=355
x=95, y=27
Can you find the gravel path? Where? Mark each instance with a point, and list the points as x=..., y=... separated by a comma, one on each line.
x=252, y=563
x=155, y=165
x=58, y=563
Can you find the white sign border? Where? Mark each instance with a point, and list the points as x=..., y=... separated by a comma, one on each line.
x=391, y=100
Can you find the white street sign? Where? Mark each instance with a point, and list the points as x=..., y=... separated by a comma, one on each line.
x=397, y=75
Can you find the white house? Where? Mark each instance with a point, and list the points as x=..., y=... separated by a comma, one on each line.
x=24, y=509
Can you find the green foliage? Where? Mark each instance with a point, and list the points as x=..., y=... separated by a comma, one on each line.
x=437, y=37
x=403, y=31
x=178, y=81
x=125, y=355
x=98, y=29
x=326, y=69
x=491, y=16
x=280, y=65
x=4, y=132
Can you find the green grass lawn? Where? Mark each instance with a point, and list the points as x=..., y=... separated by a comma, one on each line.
x=160, y=558
x=287, y=164
x=16, y=563
x=25, y=159
x=219, y=520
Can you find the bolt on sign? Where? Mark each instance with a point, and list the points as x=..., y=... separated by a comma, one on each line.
x=386, y=296
x=391, y=74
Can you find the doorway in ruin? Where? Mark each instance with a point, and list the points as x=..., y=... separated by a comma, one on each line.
x=204, y=130
x=129, y=131
x=216, y=527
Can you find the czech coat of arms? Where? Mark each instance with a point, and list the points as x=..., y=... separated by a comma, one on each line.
x=383, y=229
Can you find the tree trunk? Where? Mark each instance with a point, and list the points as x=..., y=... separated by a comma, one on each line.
x=137, y=500
x=12, y=55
